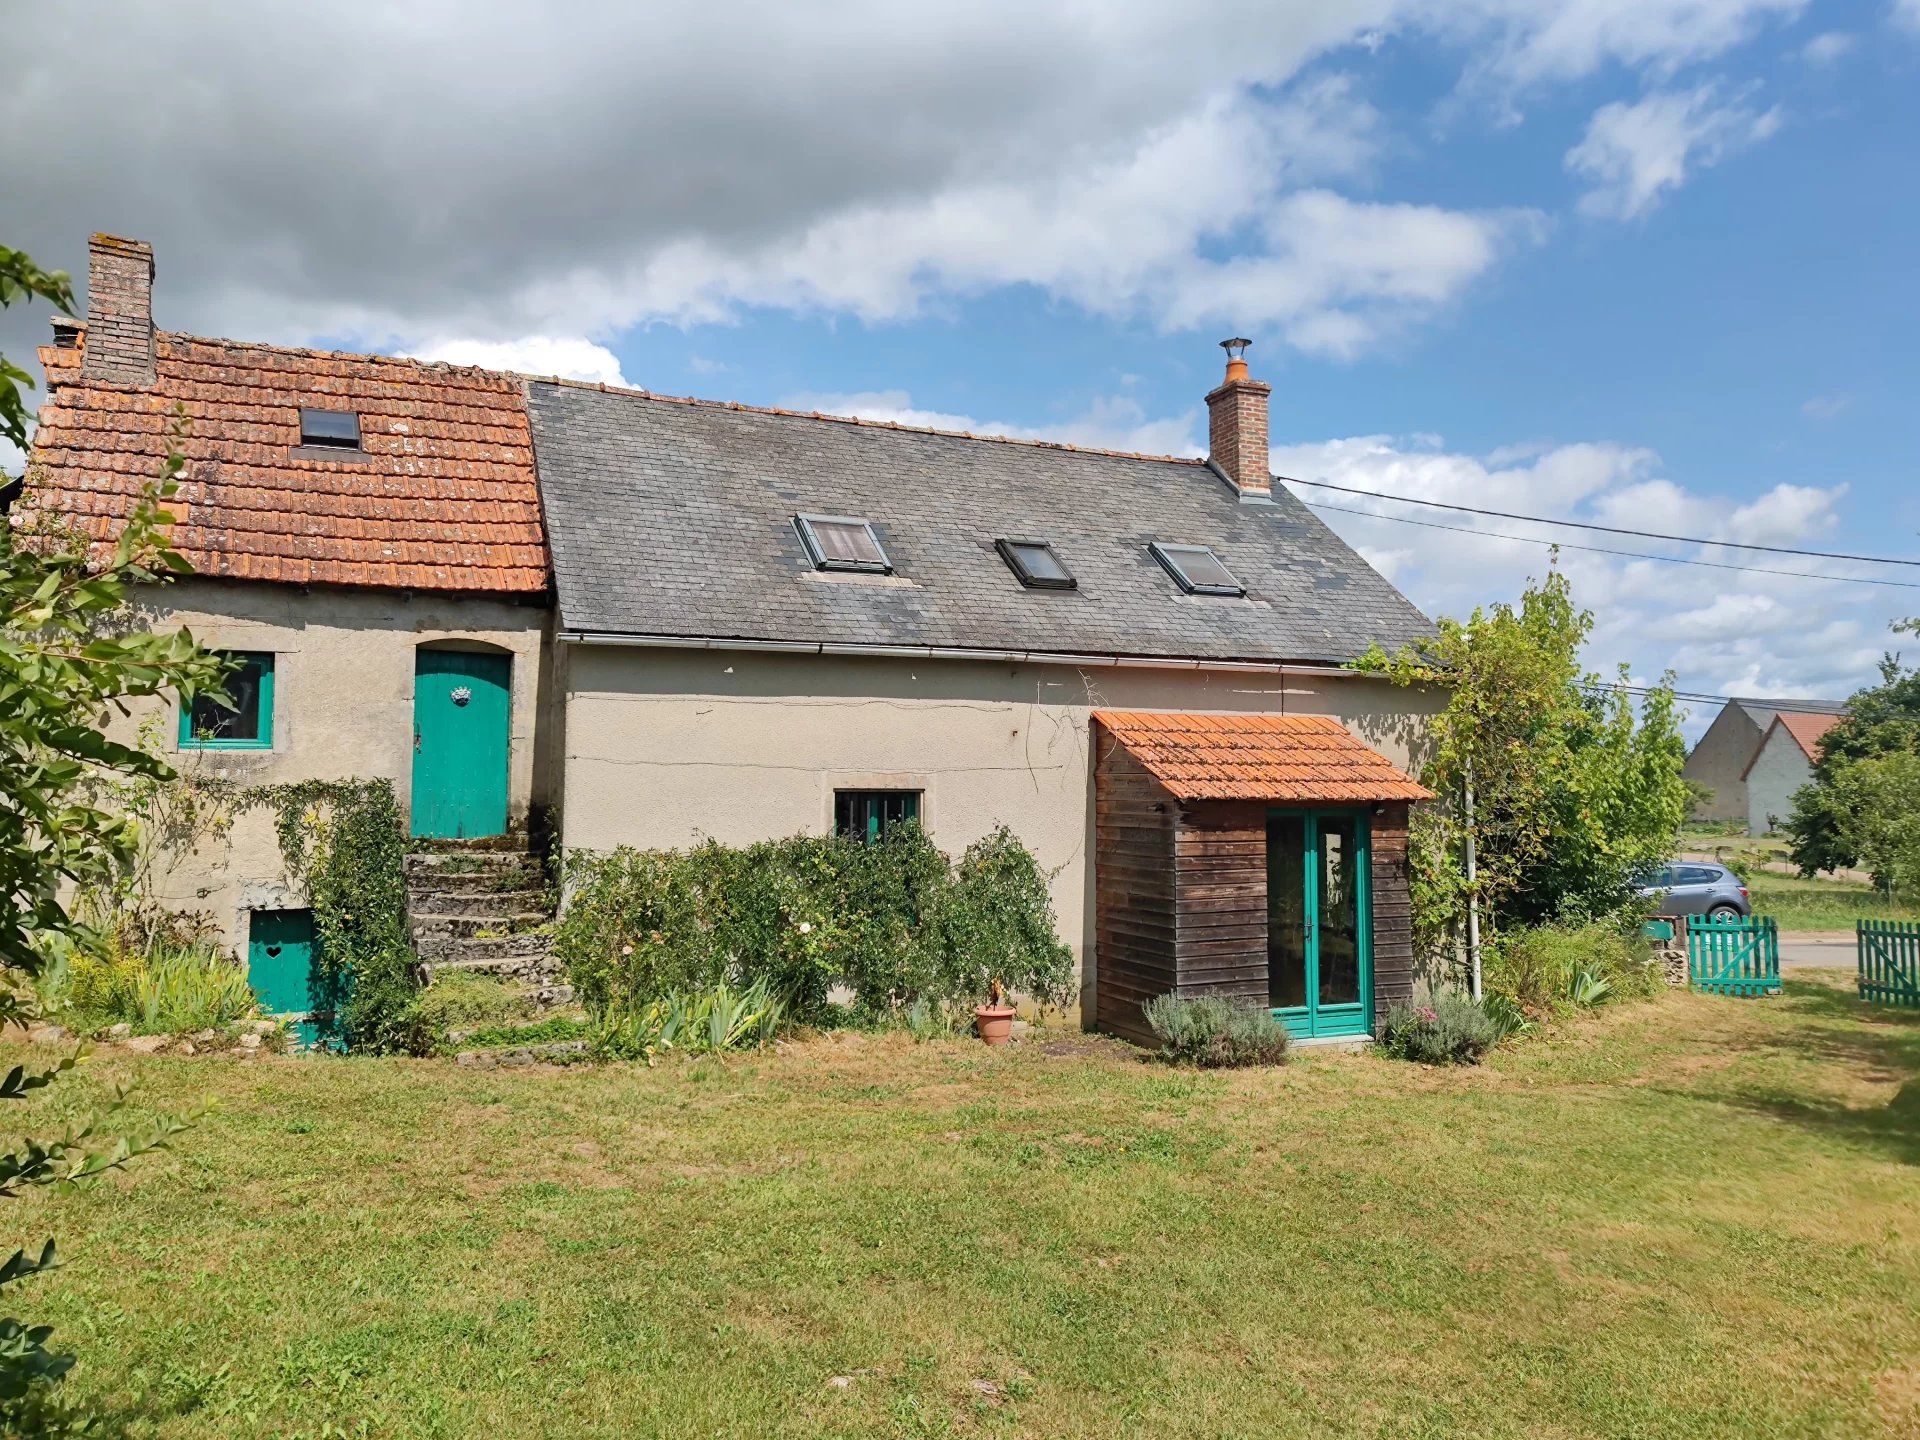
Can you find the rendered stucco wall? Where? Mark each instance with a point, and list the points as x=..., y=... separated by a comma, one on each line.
x=1716, y=762
x=1780, y=769
x=666, y=746
x=342, y=708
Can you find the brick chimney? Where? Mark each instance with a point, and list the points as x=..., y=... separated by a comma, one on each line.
x=119, y=345
x=1237, y=426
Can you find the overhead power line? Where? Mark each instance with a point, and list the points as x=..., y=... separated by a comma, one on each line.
x=1605, y=550
x=1606, y=529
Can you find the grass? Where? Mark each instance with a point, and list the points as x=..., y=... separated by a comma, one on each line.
x=1822, y=904
x=1687, y=1217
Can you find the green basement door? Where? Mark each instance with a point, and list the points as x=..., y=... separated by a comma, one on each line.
x=280, y=953
x=1319, y=922
x=462, y=722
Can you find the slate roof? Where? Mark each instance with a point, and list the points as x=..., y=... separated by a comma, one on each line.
x=1763, y=712
x=674, y=518
x=442, y=497
x=1294, y=758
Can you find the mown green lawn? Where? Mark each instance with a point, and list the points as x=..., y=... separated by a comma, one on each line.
x=1688, y=1217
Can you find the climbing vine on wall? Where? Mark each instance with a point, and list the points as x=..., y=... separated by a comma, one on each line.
x=345, y=842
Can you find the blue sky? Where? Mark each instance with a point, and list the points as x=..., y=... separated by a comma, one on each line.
x=1646, y=262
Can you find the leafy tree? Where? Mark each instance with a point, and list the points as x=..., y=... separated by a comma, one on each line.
x=63, y=672
x=1882, y=721
x=1877, y=802
x=22, y=280
x=1574, y=793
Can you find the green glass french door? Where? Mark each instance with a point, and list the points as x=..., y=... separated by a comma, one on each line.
x=1319, y=922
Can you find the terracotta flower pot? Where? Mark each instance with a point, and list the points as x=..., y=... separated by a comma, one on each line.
x=994, y=1022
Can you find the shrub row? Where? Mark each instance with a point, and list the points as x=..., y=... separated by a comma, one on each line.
x=164, y=978
x=1446, y=1030
x=894, y=921
x=1549, y=970
x=1215, y=1033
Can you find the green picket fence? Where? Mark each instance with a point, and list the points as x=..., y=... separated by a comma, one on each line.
x=1738, y=955
x=1889, y=962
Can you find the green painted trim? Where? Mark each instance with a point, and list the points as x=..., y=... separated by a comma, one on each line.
x=462, y=743
x=1738, y=955
x=1313, y=1021
x=1888, y=962
x=264, y=740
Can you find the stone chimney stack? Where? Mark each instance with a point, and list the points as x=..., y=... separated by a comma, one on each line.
x=1237, y=426
x=119, y=344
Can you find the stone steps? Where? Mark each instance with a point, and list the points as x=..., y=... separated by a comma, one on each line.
x=475, y=926
x=481, y=868
x=425, y=901
x=535, y=967
x=481, y=909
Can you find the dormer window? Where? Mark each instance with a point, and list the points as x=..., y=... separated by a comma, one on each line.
x=1035, y=564
x=330, y=429
x=1197, y=569
x=842, y=542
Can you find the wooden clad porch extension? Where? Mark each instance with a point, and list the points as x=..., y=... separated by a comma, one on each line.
x=1183, y=805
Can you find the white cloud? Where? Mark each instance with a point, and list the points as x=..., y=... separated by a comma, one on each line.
x=568, y=356
x=405, y=172
x=1635, y=153
x=1830, y=47
x=1128, y=235
x=1907, y=13
x=1110, y=423
x=1534, y=42
x=1722, y=631
x=1825, y=407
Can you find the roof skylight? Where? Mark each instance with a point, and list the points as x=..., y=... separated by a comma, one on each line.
x=1197, y=569
x=333, y=429
x=1037, y=567
x=842, y=542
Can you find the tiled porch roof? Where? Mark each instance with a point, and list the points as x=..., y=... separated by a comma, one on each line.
x=1303, y=759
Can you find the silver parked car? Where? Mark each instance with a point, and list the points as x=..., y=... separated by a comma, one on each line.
x=1695, y=888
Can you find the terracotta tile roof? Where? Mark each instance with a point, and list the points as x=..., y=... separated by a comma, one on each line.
x=1807, y=732
x=1301, y=758
x=442, y=496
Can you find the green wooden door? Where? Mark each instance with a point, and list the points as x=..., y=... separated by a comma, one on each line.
x=461, y=724
x=1320, y=922
x=280, y=961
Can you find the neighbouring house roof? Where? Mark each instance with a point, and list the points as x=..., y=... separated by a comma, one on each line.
x=1806, y=731
x=1763, y=712
x=441, y=497
x=1296, y=758
x=675, y=519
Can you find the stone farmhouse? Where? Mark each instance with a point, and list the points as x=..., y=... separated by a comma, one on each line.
x=614, y=617
x=1753, y=757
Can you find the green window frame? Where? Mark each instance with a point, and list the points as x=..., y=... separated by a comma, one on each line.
x=866, y=815
x=207, y=724
x=1318, y=1017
